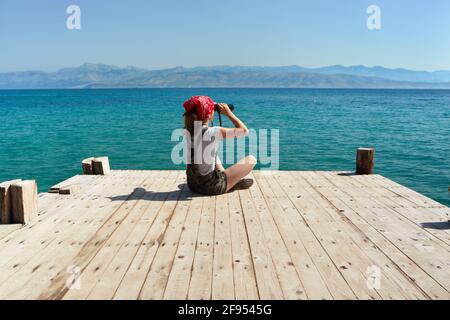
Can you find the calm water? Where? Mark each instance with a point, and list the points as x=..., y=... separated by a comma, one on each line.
x=46, y=133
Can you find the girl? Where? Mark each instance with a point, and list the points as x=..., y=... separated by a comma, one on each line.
x=205, y=173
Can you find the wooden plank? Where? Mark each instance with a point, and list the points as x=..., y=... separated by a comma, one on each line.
x=157, y=276
x=392, y=280
x=94, y=268
x=156, y=217
x=415, y=197
x=393, y=283
x=223, y=277
x=160, y=207
x=55, y=205
x=79, y=245
x=36, y=278
x=287, y=216
x=308, y=228
x=46, y=200
x=269, y=287
x=6, y=230
x=177, y=287
x=422, y=211
x=55, y=210
x=334, y=280
x=245, y=287
x=36, y=236
x=420, y=216
x=202, y=268
x=352, y=263
x=48, y=205
x=310, y=278
x=24, y=258
x=407, y=266
x=426, y=251
x=77, y=179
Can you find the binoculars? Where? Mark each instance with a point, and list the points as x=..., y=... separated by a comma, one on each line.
x=217, y=108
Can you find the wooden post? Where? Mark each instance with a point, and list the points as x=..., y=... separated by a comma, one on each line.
x=24, y=201
x=87, y=166
x=365, y=160
x=5, y=201
x=101, y=166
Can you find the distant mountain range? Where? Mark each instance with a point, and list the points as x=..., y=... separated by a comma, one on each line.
x=104, y=76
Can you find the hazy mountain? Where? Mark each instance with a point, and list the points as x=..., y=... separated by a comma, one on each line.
x=105, y=76
x=377, y=71
x=392, y=74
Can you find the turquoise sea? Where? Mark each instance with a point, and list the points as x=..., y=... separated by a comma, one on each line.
x=46, y=133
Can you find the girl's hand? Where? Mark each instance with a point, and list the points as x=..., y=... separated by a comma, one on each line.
x=224, y=109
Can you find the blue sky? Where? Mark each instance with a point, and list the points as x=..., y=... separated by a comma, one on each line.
x=155, y=34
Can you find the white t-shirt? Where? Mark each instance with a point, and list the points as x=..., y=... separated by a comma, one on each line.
x=205, y=156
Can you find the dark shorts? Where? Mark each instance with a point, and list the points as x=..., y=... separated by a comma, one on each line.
x=213, y=183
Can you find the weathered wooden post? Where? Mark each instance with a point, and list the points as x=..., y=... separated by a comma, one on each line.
x=365, y=160
x=96, y=166
x=24, y=201
x=5, y=201
x=87, y=166
x=101, y=166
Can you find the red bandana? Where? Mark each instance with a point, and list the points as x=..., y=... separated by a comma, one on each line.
x=204, y=106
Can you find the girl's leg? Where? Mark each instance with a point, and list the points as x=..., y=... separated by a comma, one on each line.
x=238, y=171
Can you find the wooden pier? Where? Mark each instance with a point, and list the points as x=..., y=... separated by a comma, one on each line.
x=293, y=235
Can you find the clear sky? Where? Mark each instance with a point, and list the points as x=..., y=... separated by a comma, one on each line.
x=155, y=34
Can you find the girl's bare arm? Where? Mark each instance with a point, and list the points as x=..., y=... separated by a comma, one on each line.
x=240, y=129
